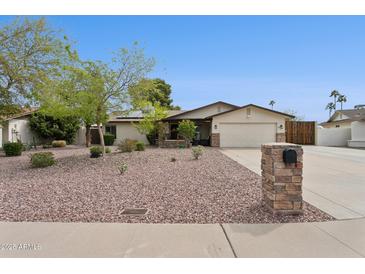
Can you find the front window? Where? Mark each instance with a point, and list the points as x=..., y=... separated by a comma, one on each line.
x=111, y=130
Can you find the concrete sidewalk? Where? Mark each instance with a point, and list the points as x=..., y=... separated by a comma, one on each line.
x=331, y=239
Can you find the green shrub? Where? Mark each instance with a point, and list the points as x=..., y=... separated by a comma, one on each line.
x=197, y=152
x=109, y=139
x=52, y=128
x=127, y=145
x=96, y=151
x=140, y=146
x=181, y=146
x=59, y=143
x=123, y=167
x=108, y=150
x=42, y=159
x=13, y=149
x=187, y=130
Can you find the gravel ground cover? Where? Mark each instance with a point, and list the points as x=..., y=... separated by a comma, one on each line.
x=213, y=189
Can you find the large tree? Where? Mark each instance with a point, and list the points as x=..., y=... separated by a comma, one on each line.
x=152, y=114
x=70, y=94
x=95, y=88
x=30, y=52
x=155, y=91
x=342, y=99
x=334, y=94
x=330, y=107
x=112, y=82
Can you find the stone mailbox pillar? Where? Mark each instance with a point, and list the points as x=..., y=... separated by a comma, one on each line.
x=281, y=182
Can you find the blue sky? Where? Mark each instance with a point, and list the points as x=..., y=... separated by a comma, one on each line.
x=295, y=60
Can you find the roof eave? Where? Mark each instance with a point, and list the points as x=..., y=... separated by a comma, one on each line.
x=253, y=105
x=212, y=104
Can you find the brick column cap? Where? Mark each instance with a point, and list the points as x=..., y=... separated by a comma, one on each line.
x=280, y=145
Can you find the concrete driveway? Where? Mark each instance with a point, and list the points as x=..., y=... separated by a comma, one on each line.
x=333, y=179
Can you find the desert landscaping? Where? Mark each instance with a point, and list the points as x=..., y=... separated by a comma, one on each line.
x=169, y=183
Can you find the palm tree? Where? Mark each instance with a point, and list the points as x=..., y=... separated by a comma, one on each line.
x=342, y=99
x=330, y=107
x=335, y=94
x=272, y=103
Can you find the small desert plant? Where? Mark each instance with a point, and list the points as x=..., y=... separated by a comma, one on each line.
x=108, y=150
x=109, y=139
x=59, y=143
x=127, y=145
x=173, y=159
x=96, y=152
x=122, y=168
x=13, y=149
x=42, y=159
x=197, y=152
x=181, y=146
x=140, y=146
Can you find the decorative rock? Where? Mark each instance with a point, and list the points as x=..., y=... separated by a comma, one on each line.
x=172, y=143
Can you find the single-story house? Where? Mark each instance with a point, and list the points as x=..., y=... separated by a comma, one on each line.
x=351, y=121
x=218, y=124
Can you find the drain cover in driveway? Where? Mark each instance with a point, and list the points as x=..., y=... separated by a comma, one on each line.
x=134, y=211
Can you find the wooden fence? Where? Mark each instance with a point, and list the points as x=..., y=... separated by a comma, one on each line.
x=301, y=133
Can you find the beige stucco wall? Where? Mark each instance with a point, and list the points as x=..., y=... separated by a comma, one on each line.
x=336, y=137
x=240, y=128
x=5, y=133
x=205, y=112
x=357, y=134
x=128, y=131
x=358, y=130
x=24, y=132
x=257, y=116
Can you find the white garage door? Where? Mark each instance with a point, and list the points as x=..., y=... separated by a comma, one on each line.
x=246, y=135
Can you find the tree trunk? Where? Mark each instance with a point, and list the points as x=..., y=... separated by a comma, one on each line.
x=88, y=135
x=101, y=135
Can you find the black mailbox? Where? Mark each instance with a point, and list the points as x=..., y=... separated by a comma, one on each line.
x=290, y=156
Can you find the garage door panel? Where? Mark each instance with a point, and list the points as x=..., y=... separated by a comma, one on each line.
x=246, y=135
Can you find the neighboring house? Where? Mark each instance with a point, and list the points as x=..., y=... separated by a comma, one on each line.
x=16, y=128
x=218, y=124
x=350, y=125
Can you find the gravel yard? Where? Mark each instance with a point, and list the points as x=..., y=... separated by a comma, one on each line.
x=214, y=189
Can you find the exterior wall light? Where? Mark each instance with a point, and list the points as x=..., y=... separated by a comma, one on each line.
x=215, y=126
